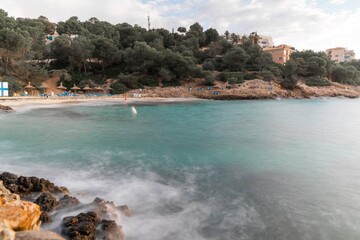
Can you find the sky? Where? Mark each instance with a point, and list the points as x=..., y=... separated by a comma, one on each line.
x=303, y=24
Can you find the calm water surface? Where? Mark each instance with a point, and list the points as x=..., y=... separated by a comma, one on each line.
x=287, y=169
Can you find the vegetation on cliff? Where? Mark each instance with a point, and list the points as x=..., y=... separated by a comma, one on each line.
x=89, y=52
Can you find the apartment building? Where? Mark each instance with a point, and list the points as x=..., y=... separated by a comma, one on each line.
x=265, y=41
x=340, y=54
x=280, y=54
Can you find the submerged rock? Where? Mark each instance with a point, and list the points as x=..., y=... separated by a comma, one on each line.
x=6, y=108
x=68, y=201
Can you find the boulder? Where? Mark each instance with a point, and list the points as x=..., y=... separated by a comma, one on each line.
x=18, y=215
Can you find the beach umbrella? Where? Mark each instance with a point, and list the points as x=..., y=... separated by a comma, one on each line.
x=87, y=88
x=75, y=88
x=29, y=88
x=61, y=87
x=98, y=88
x=43, y=87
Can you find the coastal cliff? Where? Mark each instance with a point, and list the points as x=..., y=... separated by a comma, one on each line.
x=29, y=203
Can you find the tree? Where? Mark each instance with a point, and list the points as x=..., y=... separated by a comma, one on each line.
x=227, y=34
x=264, y=60
x=181, y=29
x=290, y=68
x=235, y=59
x=81, y=51
x=105, y=51
x=12, y=42
x=211, y=35
x=289, y=82
x=196, y=31
x=316, y=66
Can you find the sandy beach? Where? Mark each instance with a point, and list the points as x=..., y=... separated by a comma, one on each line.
x=17, y=103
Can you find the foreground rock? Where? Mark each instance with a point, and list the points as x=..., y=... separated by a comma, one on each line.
x=16, y=215
x=98, y=219
x=38, y=235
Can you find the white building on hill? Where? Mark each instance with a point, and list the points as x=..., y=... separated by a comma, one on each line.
x=340, y=54
x=265, y=41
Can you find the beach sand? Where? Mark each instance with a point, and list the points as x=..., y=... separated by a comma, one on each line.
x=18, y=103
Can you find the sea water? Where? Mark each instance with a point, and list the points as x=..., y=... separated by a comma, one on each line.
x=286, y=169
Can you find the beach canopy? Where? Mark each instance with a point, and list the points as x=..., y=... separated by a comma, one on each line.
x=75, y=88
x=28, y=86
x=43, y=87
x=61, y=86
x=87, y=88
x=98, y=88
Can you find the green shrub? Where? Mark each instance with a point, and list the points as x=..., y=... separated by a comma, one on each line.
x=289, y=82
x=174, y=83
x=267, y=75
x=250, y=76
x=118, y=88
x=226, y=76
x=149, y=81
x=131, y=81
x=209, y=80
x=317, y=81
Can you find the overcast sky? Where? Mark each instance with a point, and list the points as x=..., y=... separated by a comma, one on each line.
x=304, y=24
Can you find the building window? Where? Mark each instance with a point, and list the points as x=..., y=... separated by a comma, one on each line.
x=280, y=58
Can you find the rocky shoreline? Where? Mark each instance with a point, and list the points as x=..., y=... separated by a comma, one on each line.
x=29, y=204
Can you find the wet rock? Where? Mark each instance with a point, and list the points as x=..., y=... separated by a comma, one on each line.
x=68, y=201
x=110, y=230
x=38, y=235
x=82, y=226
x=105, y=209
x=47, y=202
x=5, y=108
x=45, y=218
x=90, y=226
x=8, y=178
x=125, y=210
x=28, y=185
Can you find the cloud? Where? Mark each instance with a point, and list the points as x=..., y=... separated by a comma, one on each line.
x=304, y=24
x=338, y=2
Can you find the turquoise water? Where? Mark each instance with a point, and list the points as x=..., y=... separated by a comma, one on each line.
x=287, y=169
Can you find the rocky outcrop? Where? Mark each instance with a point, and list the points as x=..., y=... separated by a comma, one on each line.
x=98, y=220
x=5, y=108
x=30, y=186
